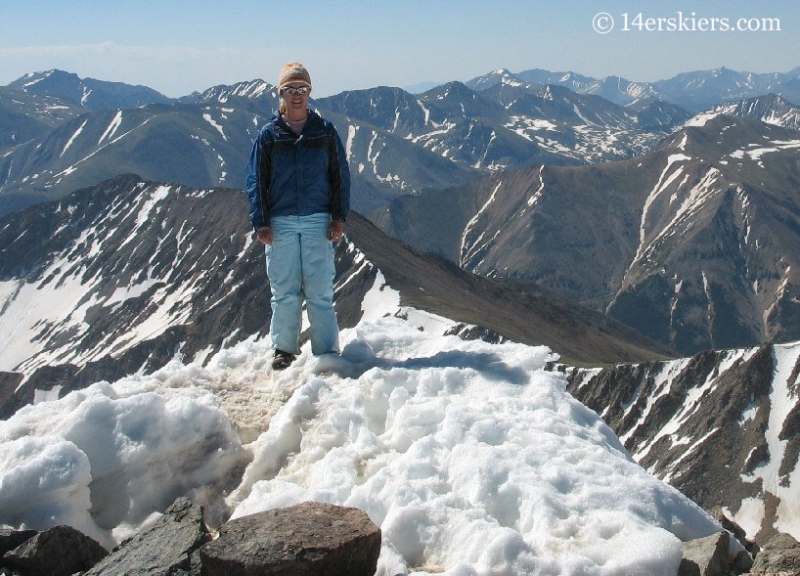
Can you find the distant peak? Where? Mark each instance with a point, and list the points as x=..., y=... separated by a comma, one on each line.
x=58, y=72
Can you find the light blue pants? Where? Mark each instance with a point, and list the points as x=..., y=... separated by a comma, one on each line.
x=300, y=266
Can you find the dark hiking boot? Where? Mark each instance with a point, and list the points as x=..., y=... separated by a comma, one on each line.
x=282, y=360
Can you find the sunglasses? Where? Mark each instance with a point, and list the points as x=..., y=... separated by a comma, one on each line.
x=292, y=91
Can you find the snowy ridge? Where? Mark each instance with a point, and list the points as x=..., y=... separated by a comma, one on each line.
x=771, y=109
x=252, y=90
x=38, y=314
x=780, y=474
x=130, y=269
x=693, y=91
x=721, y=418
x=88, y=93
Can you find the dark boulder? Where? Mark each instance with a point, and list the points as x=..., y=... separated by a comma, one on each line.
x=59, y=551
x=304, y=540
x=165, y=549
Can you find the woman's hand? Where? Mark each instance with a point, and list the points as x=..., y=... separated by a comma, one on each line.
x=335, y=230
x=264, y=235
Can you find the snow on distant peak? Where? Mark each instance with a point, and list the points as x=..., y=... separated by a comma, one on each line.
x=509, y=80
x=757, y=151
x=702, y=119
x=37, y=77
x=253, y=89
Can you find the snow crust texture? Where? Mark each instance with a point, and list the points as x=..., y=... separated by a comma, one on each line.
x=470, y=456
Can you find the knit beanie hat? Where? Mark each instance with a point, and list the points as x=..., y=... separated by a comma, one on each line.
x=293, y=72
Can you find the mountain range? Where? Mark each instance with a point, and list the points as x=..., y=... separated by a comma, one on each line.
x=621, y=234
x=681, y=227
x=693, y=244
x=88, y=93
x=398, y=143
x=127, y=274
x=694, y=91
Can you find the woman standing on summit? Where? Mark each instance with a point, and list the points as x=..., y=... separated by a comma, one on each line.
x=298, y=183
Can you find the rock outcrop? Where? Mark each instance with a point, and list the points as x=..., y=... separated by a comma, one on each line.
x=779, y=555
x=59, y=551
x=303, y=540
x=714, y=556
x=308, y=539
x=168, y=547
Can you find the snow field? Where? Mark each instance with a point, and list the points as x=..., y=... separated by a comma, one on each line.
x=470, y=457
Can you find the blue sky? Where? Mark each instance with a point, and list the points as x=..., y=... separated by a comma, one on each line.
x=178, y=47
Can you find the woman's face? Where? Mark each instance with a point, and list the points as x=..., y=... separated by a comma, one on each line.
x=296, y=104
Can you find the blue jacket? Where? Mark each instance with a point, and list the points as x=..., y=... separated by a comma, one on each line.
x=291, y=175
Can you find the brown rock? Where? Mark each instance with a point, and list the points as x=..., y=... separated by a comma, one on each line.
x=304, y=540
x=780, y=554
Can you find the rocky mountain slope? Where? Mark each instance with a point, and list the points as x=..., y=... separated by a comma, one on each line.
x=88, y=93
x=397, y=143
x=721, y=426
x=128, y=274
x=195, y=144
x=769, y=108
x=693, y=244
x=27, y=116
